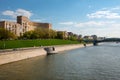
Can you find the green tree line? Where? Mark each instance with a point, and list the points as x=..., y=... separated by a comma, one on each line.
x=38, y=33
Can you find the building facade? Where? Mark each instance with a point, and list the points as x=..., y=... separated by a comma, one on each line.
x=23, y=25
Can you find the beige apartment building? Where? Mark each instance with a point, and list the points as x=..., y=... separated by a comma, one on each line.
x=22, y=25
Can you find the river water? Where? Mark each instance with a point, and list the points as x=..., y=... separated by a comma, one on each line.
x=91, y=63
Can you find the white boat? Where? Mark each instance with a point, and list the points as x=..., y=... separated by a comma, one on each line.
x=50, y=50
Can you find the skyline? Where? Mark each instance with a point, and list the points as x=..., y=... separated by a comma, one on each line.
x=86, y=17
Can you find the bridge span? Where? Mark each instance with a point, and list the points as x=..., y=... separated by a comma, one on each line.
x=95, y=42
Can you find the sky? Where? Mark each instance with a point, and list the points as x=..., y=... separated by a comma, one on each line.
x=85, y=17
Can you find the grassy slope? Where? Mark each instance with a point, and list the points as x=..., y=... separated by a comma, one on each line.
x=31, y=43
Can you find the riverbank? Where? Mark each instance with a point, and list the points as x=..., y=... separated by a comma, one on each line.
x=25, y=53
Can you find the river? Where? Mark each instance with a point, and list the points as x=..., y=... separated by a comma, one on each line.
x=91, y=63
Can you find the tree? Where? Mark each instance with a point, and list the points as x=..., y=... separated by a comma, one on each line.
x=28, y=35
x=45, y=33
x=52, y=34
x=61, y=35
x=5, y=34
x=40, y=33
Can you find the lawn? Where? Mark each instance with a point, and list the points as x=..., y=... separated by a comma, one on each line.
x=31, y=43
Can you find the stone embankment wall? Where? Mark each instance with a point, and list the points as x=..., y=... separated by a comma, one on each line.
x=16, y=55
x=11, y=56
x=69, y=47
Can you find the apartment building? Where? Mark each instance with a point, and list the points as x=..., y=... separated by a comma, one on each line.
x=22, y=25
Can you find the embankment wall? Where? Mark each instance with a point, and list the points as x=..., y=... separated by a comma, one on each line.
x=11, y=56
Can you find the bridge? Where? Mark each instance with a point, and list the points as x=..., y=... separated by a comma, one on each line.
x=95, y=42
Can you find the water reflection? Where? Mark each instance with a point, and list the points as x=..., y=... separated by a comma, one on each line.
x=91, y=63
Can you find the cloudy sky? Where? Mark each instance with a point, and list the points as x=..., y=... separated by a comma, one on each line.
x=86, y=17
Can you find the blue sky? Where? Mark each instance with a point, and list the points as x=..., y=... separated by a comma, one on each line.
x=86, y=17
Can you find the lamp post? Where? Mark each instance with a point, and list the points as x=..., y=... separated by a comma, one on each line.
x=4, y=45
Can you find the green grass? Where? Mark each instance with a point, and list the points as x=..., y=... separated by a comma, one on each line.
x=30, y=43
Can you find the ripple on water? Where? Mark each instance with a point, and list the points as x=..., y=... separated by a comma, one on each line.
x=90, y=63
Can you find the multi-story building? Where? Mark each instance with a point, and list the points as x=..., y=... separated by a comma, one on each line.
x=22, y=25
x=70, y=34
x=88, y=38
x=94, y=37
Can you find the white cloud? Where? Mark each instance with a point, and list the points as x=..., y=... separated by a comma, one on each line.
x=116, y=8
x=66, y=23
x=17, y=12
x=37, y=20
x=88, y=23
x=112, y=13
x=23, y=12
x=104, y=22
x=12, y=20
x=104, y=14
x=101, y=28
x=8, y=12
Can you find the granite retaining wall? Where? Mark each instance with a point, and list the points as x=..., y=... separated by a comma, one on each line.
x=20, y=54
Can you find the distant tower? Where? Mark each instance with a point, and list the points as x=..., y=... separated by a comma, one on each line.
x=23, y=21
